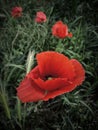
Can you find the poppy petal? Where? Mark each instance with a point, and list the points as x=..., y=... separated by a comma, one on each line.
x=34, y=73
x=60, y=29
x=68, y=70
x=40, y=17
x=28, y=91
x=54, y=84
x=16, y=11
x=50, y=63
x=80, y=72
x=55, y=65
x=80, y=76
x=51, y=85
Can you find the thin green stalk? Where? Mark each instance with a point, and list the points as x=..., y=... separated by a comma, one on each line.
x=19, y=110
x=5, y=104
x=15, y=38
x=24, y=115
x=59, y=46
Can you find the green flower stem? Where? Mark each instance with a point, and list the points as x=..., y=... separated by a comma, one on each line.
x=5, y=104
x=59, y=47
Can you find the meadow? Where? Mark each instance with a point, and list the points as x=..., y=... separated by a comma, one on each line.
x=22, y=38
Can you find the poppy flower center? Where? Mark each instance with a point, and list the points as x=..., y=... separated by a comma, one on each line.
x=48, y=77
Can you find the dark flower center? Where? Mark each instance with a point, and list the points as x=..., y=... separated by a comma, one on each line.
x=49, y=77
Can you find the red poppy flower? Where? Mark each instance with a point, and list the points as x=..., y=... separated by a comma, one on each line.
x=16, y=12
x=40, y=17
x=54, y=75
x=60, y=30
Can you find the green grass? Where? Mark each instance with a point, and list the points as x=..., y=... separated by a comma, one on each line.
x=21, y=39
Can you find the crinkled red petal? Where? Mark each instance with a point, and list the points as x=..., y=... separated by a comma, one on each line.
x=80, y=72
x=60, y=30
x=28, y=91
x=40, y=17
x=48, y=85
x=55, y=65
x=80, y=76
x=51, y=85
x=16, y=12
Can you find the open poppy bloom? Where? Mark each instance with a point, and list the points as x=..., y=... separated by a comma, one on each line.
x=60, y=30
x=54, y=75
x=40, y=17
x=16, y=12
